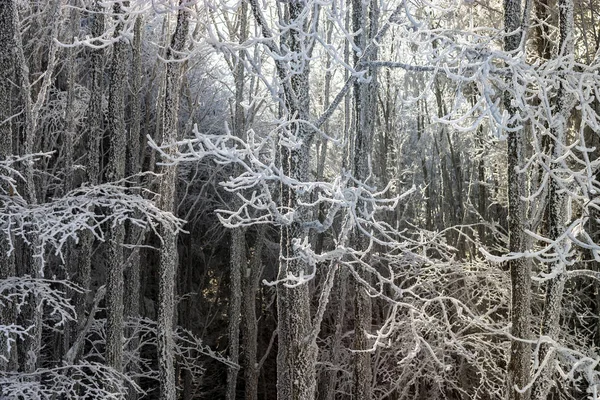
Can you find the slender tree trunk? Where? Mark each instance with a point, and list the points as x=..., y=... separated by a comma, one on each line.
x=168, y=251
x=323, y=150
x=71, y=331
x=95, y=133
x=133, y=233
x=331, y=376
x=251, y=281
x=238, y=240
x=520, y=269
x=237, y=265
x=481, y=193
x=556, y=214
x=365, y=112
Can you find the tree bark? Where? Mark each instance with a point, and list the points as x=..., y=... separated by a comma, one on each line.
x=116, y=172
x=297, y=353
x=238, y=240
x=365, y=112
x=95, y=132
x=168, y=251
x=237, y=265
x=251, y=281
x=134, y=234
x=520, y=269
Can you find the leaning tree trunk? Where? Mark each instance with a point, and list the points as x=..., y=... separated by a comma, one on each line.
x=115, y=172
x=168, y=250
x=520, y=269
x=556, y=213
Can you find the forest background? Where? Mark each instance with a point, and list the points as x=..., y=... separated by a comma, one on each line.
x=299, y=199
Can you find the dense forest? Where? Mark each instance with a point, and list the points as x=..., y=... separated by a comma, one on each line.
x=299, y=199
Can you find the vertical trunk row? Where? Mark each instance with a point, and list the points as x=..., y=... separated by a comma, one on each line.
x=168, y=250
x=556, y=212
x=520, y=269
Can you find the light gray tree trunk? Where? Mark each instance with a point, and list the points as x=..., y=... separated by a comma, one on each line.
x=520, y=269
x=168, y=251
x=557, y=212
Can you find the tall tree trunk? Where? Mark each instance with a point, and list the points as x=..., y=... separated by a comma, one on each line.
x=70, y=332
x=520, y=269
x=297, y=352
x=116, y=172
x=168, y=250
x=8, y=315
x=95, y=133
x=133, y=233
x=323, y=149
x=556, y=212
x=365, y=112
x=238, y=240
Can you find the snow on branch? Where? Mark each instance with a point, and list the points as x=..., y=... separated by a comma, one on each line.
x=142, y=333
x=85, y=380
x=85, y=208
x=16, y=292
